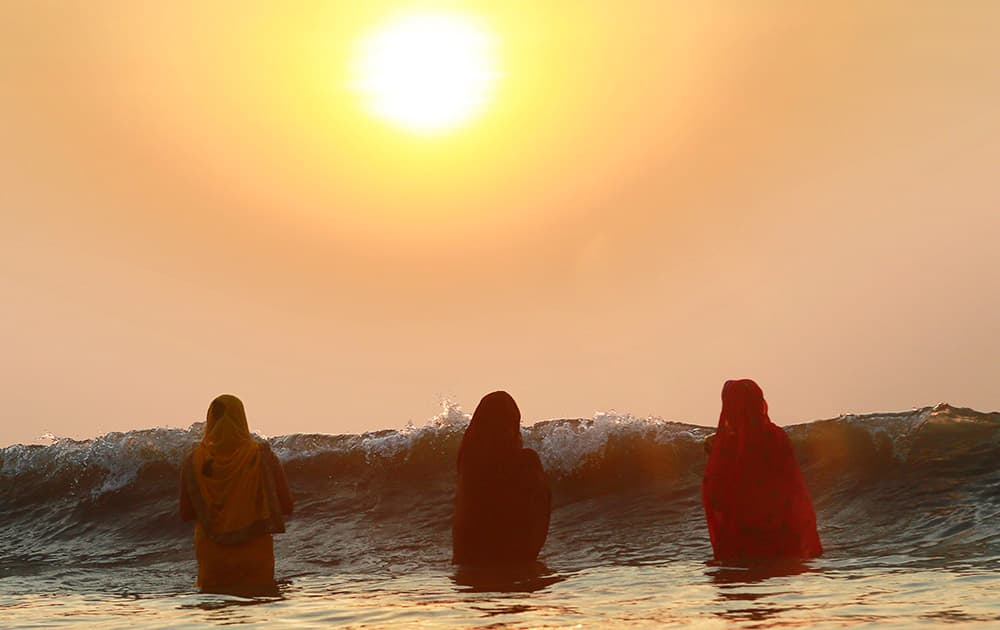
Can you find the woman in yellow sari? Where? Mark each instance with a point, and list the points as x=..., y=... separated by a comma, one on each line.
x=235, y=489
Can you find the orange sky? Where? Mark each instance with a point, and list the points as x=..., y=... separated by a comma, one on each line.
x=662, y=196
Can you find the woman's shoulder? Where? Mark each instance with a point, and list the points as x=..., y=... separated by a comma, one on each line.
x=187, y=465
x=528, y=458
x=779, y=436
x=267, y=453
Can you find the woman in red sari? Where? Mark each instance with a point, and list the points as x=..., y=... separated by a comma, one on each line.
x=756, y=502
x=502, y=501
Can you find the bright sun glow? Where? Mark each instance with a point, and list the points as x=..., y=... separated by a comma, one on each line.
x=427, y=72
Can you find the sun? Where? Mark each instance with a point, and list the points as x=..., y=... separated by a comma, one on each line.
x=427, y=72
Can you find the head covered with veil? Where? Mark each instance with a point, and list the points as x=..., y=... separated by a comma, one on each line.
x=756, y=502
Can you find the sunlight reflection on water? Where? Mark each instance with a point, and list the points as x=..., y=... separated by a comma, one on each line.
x=826, y=593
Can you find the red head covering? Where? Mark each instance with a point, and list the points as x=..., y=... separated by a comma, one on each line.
x=756, y=502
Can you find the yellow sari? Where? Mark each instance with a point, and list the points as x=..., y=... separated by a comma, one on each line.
x=232, y=490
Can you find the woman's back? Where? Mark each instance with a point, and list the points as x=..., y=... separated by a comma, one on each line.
x=235, y=489
x=502, y=500
x=502, y=517
x=756, y=502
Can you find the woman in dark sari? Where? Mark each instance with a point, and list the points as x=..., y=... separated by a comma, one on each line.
x=502, y=501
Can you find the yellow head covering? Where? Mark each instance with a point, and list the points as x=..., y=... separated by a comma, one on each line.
x=233, y=494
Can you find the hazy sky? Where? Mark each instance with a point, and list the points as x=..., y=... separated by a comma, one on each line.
x=662, y=195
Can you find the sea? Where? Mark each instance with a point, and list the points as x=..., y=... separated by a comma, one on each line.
x=908, y=506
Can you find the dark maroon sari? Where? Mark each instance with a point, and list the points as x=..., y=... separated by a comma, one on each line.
x=502, y=501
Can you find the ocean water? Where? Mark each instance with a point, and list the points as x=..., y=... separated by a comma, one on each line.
x=907, y=505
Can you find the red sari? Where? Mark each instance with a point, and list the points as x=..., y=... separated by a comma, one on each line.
x=756, y=502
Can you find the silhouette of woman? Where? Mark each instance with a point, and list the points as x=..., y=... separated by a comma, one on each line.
x=502, y=502
x=234, y=488
x=756, y=502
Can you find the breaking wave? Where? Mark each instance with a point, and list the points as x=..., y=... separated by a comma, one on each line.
x=626, y=489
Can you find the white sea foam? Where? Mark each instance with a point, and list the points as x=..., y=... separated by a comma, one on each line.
x=563, y=445
x=119, y=455
x=897, y=428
